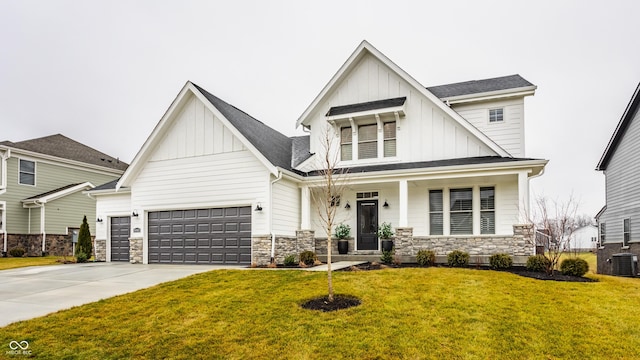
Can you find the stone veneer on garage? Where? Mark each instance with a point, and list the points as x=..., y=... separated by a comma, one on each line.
x=135, y=250
x=284, y=245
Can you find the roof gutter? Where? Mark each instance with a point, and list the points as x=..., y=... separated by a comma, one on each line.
x=490, y=95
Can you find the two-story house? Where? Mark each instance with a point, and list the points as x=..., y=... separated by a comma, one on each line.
x=444, y=165
x=41, y=191
x=619, y=221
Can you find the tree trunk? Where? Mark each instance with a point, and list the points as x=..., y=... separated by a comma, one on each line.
x=329, y=278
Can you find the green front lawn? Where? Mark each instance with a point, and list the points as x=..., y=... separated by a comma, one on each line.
x=12, y=262
x=411, y=313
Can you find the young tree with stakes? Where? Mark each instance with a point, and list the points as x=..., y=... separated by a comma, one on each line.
x=327, y=195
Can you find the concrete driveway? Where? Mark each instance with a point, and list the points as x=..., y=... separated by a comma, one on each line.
x=30, y=292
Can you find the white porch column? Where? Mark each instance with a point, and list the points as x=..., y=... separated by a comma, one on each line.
x=404, y=204
x=305, y=208
x=523, y=196
x=42, y=228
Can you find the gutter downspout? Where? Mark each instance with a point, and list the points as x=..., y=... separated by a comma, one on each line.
x=529, y=205
x=42, y=225
x=273, y=235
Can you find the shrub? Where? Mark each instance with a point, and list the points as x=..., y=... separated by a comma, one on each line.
x=574, y=267
x=81, y=257
x=538, y=263
x=384, y=231
x=290, y=260
x=458, y=258
x=84, y=245
x=17, y=252
x=387, y=257
x=426, y=257
x=500, y=261
x=342, y=231
x=308, y=257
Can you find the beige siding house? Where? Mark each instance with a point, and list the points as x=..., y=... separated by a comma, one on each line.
x=444, y=164
x=41, y=190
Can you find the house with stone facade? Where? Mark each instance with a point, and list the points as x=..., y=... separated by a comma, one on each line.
x=619, y=220
x=445, y=165
x=41, y=191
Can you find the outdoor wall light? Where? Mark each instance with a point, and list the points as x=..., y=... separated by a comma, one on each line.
x=347, y=206
x=134, y=213
x=99, y=219
x=258, y=207
x=386, y=205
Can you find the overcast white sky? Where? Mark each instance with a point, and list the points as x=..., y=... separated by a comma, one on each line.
x=104, y=72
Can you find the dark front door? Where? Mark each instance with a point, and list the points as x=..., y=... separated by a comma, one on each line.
x=368, y=225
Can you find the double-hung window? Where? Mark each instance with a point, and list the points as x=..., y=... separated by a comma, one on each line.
x=496, y=115
x=487, y=210
x=346, y=143
x=603, y=233
x=367, y=141
x=435, y=212
x=389, y=139
x=626, y=231
x=461, y=211
x=27, y=172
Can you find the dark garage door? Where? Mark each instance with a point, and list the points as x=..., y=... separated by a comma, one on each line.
x=120, y=227
x=203, y=236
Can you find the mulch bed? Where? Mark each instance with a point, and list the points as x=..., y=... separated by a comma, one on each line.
x=521, y=271
x=339, y=302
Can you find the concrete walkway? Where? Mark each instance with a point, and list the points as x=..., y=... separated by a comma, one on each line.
x=30, y=292
x=336, y=265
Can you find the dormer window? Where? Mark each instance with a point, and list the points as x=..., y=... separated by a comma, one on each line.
x=496, y=115
x=371, y=126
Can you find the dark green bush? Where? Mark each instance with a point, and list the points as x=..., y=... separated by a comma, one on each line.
x=458, y=258
x=290, y=260
x=500, y=261
x=538, y=263
x=387, y=257
x=81, y=257
x=308, y=257
x=84, y=245
x=574, y=267
x=17, y=252
x=426, y=258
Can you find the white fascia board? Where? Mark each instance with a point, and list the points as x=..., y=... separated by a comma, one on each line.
x=58, y=194
x=161, y=127
x=73, y=164
x=365, y=47
x=123, y=190
x=491, y=95
x=532, y=167
x=272, y=168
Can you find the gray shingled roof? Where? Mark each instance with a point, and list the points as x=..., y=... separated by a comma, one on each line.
x=370, y=105
x=61, y=146
x=51, y=192
x=300, y=150
x=426, y=164
x=111, y=185
x=479, y=86
x=273, y=145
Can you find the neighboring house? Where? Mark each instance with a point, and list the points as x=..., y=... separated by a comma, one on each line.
x=619, y=221
x=583, y=239
x=445, y=165
x=41, y=191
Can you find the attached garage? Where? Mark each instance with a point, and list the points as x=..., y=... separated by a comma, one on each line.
x=201, y=236
x=120, y=227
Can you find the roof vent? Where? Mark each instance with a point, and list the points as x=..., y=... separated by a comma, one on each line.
x=624, y=264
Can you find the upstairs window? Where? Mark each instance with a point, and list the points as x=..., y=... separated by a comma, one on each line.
x=367, y=141
x=389, y=139
x=487, y=210
x=461, y=207
x=27, y=172
x=626, y=234
x=346, y=143
x=496, y=115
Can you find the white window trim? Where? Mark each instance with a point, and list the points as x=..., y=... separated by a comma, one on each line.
x=497, y=121
x=35, y=171
x=626, y=244
x=476, y=210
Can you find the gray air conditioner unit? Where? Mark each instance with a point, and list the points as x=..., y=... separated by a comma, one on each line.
x=624, y=264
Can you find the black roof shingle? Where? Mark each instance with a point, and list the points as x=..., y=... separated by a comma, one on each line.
x=479, y=86
x=370, y=105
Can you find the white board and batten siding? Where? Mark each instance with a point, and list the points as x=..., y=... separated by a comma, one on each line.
x=425, y=133
x=200, y=164
x=108, y=206
x=509, y=133
x=622, y=185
